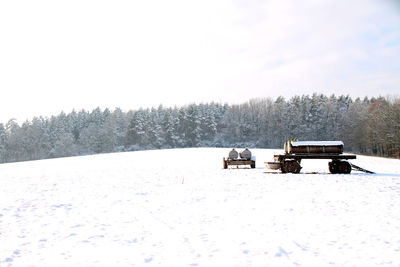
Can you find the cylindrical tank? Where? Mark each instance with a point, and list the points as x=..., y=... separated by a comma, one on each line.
x=245, y=154
x=233, y=154
x=314, y=147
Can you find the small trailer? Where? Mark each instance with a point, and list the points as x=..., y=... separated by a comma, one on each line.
x=297, y=151
x=245, y=159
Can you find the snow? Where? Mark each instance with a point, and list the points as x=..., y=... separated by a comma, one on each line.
x=317, y=143
x=180, y=208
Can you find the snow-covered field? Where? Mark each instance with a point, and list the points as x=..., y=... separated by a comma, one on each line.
x=180, y=208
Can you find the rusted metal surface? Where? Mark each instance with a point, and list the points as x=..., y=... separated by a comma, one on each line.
x=273, y=165
x=313, y=156
x=295, y=152
x=314, y=147
x=237, y=162
x=245, y=154
x=245, y=159
x=233, y=154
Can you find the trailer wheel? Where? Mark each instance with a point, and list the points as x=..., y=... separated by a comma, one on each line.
x=291, y=166
x=285, y=167
x=253, y=165
x=332, y=167
x=338, y=166
x=295, y=167
x=344, y=167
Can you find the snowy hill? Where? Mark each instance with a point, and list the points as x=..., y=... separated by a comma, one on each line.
x=180, y=208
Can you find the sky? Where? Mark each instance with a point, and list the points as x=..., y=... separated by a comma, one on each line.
x=81, y=54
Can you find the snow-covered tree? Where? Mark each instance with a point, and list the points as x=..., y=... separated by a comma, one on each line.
x=65, y=146
x=366, y=126
x=3, y=143
x=137, y=130
x=193, y=130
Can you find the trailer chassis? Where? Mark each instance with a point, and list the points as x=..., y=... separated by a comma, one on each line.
x=236, y=162
x=290, y=163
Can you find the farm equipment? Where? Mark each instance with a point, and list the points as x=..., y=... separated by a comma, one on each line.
x=245, y=159
x=296, y=151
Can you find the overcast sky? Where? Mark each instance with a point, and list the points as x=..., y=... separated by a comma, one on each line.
x=63, y=55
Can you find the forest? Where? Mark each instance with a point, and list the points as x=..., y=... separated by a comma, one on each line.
x=368, y=126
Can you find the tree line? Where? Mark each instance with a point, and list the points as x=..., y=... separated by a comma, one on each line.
x=367, y=126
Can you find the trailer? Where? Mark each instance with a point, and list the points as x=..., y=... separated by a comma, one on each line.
x=236, y=159
x=296, y=151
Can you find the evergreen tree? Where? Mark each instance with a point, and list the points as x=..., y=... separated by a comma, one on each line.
x=137, y=136
x=3, y=143
x=193, y=130
x=369, y=126
x=170, y=128
x=115, y=128
x=65, y=146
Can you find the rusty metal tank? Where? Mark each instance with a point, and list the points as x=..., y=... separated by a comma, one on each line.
x=313, y=147
x=245, y=154
x=233, y=154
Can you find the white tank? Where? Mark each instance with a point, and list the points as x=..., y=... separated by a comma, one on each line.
x=233, y=154
x=245, y=154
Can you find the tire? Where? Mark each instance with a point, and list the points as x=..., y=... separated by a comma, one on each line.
x=344, y=167
x=283, y=167
x=337, y=166
x=253, y=165
x=332, y=167
x=291, y=166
